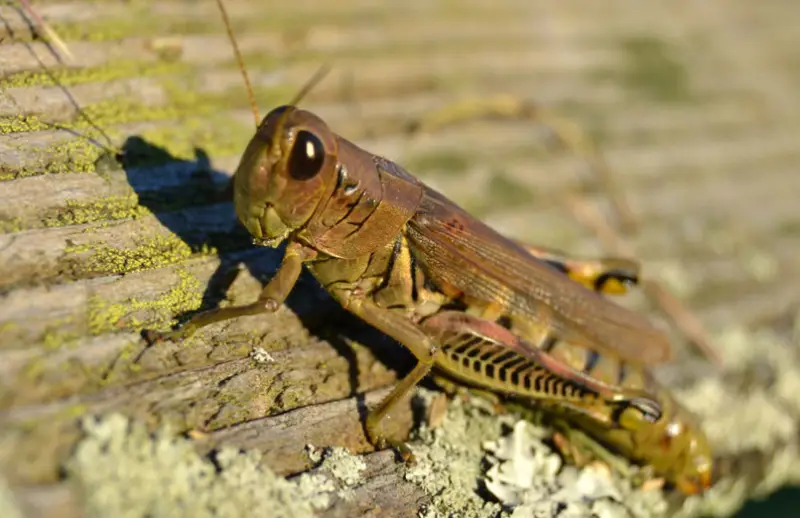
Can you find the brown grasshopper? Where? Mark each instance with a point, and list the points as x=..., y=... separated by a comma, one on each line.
x=672, y=447
x=414, y=265
x=395, y=252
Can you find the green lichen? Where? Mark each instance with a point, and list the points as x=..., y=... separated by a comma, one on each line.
x=34, y=369
x=143, y=21
x=74, y=411
x=184, y=98
x=202, y=124
x=55, y=337
x=8, y=327
x=789, y=228
x=72, y=156
x=22, y=123
x=79, y=156
x=109, y=208
x=119, y=469
x=149, y=253
x=139, y=24
x=111, y=71
x=123, y=110
x=104, y=316
x=11, y=225
x=120, y=369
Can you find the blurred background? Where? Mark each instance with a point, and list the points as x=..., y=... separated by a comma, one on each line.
x=693, y=106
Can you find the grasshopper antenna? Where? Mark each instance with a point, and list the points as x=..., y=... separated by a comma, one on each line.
x=240, y=61
x=311, y=83
x=318, y=76
x=45, y=28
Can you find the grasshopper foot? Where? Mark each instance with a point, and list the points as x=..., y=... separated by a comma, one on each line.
x=402, y=450
x=380, y=442
x=405, y=453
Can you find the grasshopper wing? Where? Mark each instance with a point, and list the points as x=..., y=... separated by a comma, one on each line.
x=468, y=258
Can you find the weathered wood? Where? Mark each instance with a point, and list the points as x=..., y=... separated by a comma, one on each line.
x=697, y=115
x=283, y=439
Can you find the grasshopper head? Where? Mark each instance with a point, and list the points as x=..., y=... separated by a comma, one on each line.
x=287, y=169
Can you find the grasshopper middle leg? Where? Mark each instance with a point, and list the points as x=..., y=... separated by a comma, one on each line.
x=415, y=340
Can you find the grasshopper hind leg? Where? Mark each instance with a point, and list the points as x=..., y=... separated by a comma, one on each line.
x=377, y=414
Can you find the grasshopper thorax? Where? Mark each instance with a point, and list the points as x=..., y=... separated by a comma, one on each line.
x=287, y=170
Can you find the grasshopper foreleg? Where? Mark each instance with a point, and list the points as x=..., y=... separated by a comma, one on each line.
x=270, y=299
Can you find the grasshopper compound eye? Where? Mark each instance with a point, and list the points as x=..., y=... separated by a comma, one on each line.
x=307, y=157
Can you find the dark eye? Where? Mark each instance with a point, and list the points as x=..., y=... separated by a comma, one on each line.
x=308, y=155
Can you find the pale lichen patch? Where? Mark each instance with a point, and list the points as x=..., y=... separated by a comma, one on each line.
x=317, y=489
x=449, y=459
x=261, y=356
x=338, y=473
x=527, y=474
x=122, y=470
x=344, y=466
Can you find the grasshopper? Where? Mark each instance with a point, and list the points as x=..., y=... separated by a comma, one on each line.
x=672, y=446
x=396, y=253
x=414, y=265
